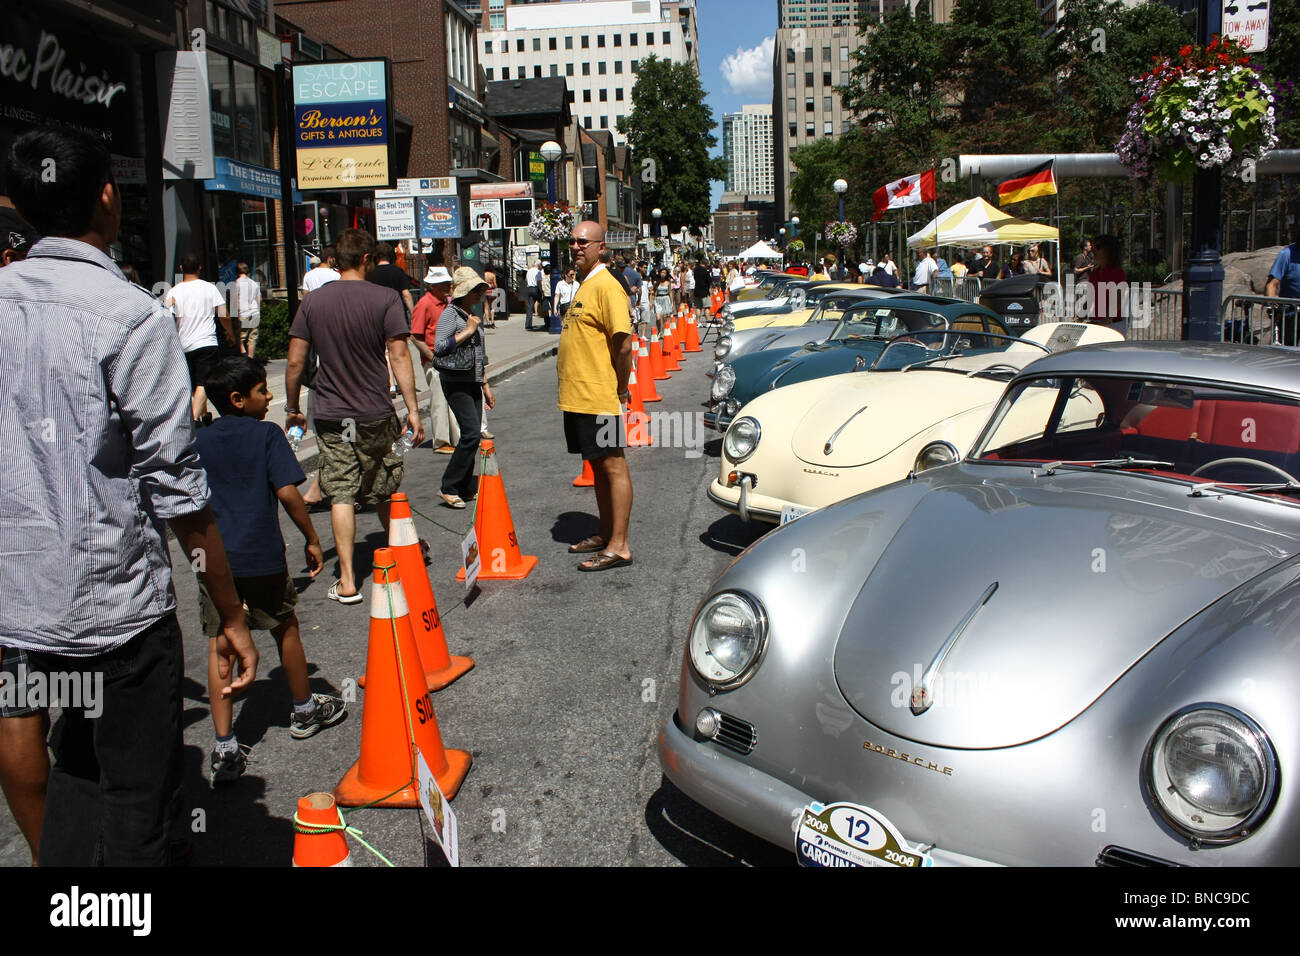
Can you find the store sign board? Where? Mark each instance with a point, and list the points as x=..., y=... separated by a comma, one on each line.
x=49, y=70
x=501, y=191
x=485, y=214
x=395, y=219
x=236, y=177
x=269, y=53
x=184, y=105
x=427, y=186
x=517, y=213
x=537, y=168
x=342, y=114
x=439, y=217
x=1246, y=21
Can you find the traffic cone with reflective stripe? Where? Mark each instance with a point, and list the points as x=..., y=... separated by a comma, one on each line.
x=440, y=667
x=645, y=374
x=588, y=477
x=679, y=337
x=636, y=420
x=717, y=300
x=494, y=528
x=398, y=713
x=692, y=334
x=657, y=370
x=318, y=836
x=670, y=354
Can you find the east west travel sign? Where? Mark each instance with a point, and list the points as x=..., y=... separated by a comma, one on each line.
x=342, y=119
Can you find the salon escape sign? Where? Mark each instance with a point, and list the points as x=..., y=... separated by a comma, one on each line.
x=341, y=114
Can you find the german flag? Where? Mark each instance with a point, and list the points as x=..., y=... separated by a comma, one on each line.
x=1039, y=181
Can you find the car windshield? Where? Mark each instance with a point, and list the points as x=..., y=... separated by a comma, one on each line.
x=778, y=290
x=883, y=322
x=1200, y=432
x=960, y=349
x=831, y=307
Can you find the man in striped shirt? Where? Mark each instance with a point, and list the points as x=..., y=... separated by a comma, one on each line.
x=99, y=444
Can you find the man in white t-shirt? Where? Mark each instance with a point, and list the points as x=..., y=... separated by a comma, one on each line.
x=926, y=268
x=325, y=270
x=887, y=263
x=248, y=308
x=533, y=297
x=198, y=306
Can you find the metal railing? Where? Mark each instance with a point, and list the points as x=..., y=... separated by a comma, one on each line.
x=1157, y=318
x=1260, y=320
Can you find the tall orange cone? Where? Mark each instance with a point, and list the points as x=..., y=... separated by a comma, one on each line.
x=494, y=528
x=645, y=375
x=657, y=370
x=440, y=667
x=679, y=338
x=398, y=712
x=588, y=477
x=692, y=334
x=670, y=354
x=637, y=421
x=718, y=300
x=318, y=838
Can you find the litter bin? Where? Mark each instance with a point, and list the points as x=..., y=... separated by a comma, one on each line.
x=1014, y=300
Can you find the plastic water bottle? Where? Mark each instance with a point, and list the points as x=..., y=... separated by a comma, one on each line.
x=405, y=443
x=295, y=437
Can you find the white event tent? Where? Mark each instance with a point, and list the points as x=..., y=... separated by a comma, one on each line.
x=759, y=250
x=976, y=222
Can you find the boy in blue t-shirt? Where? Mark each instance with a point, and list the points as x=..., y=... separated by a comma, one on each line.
x=250, y=465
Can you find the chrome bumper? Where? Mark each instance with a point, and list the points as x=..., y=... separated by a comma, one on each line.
x=742, y=506
x=747, y=797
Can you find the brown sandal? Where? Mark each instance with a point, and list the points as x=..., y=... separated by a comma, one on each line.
x=588, y=545
x=604, y=561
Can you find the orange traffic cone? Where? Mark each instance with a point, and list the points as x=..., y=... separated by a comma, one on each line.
x=588, y=477
x=657, y=369
x=494, y=528
x=679, y=338
x=645, y=375
x=718, y=300
x=318, y=836
x=398, y=713
x=692, y=334
x=440, y=668
x=637, y=422
x=670, y=353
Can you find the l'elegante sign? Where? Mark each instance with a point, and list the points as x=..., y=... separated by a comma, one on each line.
x=342, y=114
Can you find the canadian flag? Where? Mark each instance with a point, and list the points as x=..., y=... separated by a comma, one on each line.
x=908, y=191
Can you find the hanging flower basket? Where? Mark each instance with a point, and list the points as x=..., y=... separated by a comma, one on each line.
x=1208, y=108
x=552, y=222
x=794, y=247
x=840, y=233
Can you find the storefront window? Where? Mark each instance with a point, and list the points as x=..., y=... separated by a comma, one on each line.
x=247, y=135
x=266, y=106
x=223, y=107
x=242, y=228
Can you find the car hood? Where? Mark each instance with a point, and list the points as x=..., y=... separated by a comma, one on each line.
x=818, y=361
x=1092, y=570
x=869, y=414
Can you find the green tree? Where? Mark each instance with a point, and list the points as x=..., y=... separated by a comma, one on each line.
x=670, y=131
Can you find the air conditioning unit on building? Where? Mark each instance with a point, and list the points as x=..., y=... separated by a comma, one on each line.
x=305, y=48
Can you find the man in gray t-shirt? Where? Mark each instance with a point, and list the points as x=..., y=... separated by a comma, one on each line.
x=352, y=323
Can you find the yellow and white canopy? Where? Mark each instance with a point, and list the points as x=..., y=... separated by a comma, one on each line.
x=976, y=222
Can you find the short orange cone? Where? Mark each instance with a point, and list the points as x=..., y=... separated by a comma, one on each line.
x=657, y=370
x=318, y=835
x=645, y=375
x=494, y=528
x=692, y=334
x=670, y=353
x=440, y=667
x=588, y=477
x=398, y=713
x=679, y=338
x=637, y=421
x=717, y=300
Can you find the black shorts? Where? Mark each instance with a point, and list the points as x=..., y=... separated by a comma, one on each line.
x=200, y=363
x=594, y=436
x=701, y=301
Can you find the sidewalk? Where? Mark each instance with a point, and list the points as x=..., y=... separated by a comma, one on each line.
x=510, y=349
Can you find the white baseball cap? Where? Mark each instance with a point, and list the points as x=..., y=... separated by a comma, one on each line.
x=436, y=275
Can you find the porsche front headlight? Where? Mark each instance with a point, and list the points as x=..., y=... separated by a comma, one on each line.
x=725, y=312
x=933, y=455
x=727, y=638
x=1213, y=774
x=723, y=348
x=741, y=439
x=723, y=382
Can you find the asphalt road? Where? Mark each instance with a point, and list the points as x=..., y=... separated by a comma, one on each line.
x=575, y=672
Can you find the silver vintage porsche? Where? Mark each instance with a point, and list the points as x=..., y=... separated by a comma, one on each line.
x=1080, y=644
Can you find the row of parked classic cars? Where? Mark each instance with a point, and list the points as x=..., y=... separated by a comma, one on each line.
x=1033, y=599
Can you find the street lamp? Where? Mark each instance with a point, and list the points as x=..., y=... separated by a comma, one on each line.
x=840, y=187
x=551, y=153
x=659, y=253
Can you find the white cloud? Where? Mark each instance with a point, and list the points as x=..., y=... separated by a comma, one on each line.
x=750, y=71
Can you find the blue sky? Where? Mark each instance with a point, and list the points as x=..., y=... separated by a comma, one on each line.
x=735, y=58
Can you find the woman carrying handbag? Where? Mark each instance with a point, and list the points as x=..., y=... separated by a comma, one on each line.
x=461, y=359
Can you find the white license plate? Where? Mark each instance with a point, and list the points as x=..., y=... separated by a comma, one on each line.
x=791, y=512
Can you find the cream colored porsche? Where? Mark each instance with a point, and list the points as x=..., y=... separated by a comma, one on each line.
x=920, y=405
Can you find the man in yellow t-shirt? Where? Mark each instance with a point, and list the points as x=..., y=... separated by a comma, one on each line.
x=594, y=364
